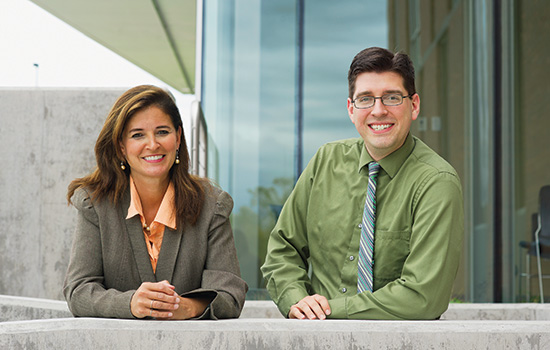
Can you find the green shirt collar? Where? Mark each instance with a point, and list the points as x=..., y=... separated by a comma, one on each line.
x=393, y=162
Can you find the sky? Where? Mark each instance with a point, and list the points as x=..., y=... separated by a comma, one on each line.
x=65, y=57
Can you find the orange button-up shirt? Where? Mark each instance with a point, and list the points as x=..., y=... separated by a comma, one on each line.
x=165, y=217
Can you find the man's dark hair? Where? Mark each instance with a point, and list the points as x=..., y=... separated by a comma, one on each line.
x=379, y=60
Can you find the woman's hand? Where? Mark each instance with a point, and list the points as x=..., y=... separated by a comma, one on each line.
x=157, y=300
x=189, y=308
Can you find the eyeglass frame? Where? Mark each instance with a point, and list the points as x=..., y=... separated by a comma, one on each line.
x=380, y=98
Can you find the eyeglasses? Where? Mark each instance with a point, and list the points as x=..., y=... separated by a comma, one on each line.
x=363, y=102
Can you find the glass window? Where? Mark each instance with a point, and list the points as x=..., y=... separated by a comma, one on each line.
x=531, y=125
x=481, y=74
x=250, y=80
x=335, y=31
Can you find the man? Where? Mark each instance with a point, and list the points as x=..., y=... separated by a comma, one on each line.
x=322, y=259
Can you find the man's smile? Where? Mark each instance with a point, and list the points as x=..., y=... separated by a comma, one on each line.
x=380, y=127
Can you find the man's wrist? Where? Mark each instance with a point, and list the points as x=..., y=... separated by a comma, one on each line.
x=338, y=308
x=290, y=299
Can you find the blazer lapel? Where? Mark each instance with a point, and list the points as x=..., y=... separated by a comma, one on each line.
x=137, y=240
x=168, y=253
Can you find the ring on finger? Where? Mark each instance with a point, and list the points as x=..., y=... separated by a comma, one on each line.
x=151, y=309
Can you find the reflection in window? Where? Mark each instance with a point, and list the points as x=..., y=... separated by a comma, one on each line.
x=249, y=101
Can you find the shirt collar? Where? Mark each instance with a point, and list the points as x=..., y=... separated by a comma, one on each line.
x=391, y=163
x=165, y=214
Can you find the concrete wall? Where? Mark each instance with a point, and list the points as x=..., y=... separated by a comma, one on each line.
x=90, y=333
x=26, y=309
x=46, y=140
x=464, y=326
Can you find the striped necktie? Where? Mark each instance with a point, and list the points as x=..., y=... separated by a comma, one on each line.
x=366, y=246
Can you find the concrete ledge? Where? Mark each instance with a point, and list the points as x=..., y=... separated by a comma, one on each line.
x=260, y=309
x=88, y=333
x=14, y=308
x=463, y=326
x=520, y=312
x=466, y=311
x=21, y=308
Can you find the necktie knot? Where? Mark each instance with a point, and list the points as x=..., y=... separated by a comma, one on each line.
x=374, y=168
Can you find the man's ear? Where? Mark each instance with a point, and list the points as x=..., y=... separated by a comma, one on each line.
x=415, y=106
x=350, y=110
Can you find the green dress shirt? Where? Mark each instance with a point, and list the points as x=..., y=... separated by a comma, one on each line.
x=314, y=246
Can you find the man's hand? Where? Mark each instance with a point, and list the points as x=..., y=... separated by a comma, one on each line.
x=311, y=307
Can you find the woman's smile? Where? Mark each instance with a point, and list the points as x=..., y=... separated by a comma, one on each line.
x=154, y=159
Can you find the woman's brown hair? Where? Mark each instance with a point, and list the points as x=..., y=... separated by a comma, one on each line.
x=109, y=181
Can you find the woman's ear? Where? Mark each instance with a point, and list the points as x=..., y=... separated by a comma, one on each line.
x=122, y=148
x=178, y=133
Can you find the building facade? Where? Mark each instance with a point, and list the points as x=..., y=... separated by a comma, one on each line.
x=482, y=73
x=274, y=89
x=271, y=87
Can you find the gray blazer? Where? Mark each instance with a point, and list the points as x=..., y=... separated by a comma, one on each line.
x=109, y=259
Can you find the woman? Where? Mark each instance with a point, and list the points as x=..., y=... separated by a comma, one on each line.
x=151, y=239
